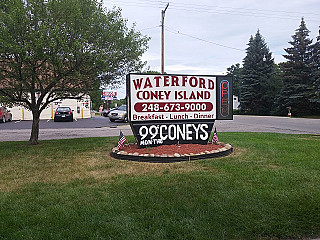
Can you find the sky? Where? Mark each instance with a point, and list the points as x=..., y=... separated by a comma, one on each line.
x=206, y=37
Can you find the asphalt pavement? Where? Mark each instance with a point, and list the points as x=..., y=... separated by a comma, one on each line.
x=242, y=123
x=102, y=127
x=96, y=122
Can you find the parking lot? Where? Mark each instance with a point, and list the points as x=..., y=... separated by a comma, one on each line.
x=102, y=127
x=96, y=122
x=79, y=128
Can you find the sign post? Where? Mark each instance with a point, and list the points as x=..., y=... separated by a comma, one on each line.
x=177, y=109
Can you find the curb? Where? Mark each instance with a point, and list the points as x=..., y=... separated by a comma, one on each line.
x=226, y=150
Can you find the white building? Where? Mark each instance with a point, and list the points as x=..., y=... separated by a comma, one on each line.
x=236, y=103
x=81, y=109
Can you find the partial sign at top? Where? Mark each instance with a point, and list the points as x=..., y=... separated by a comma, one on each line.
x=108, y=95
x=172, y=97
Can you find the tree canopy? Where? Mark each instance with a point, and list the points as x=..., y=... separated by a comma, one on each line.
x=296, y=75
x=55, y=49
x=236, y=72
x=268, y=88
x=258, y=70
x=315, y=75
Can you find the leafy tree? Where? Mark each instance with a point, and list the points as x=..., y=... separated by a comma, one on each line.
x=296, y=75
x=236, y=72
x=148, y=71
x=257, y=87
x=55, y=49
x=95, y=96
x=118, y=102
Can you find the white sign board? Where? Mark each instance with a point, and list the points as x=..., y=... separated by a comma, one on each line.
x=172, y=97
x=108, y=95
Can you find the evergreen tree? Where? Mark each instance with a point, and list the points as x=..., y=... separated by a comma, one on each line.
x=315, y=64
x=296, y=75
x=256, y=92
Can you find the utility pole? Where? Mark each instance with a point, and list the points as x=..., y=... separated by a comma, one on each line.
x=163, y=12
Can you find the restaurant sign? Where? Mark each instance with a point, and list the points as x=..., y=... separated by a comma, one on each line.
x=108, y=95
x=172, y=109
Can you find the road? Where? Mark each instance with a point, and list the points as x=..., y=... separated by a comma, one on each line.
x=102, y=127
x=270, y=124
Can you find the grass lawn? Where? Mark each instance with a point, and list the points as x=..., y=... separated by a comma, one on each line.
x=269, y=188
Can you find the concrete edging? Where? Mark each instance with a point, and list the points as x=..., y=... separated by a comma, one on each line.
x=122, y=155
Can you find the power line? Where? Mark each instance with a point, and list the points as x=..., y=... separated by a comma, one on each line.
x=203, y=40
x=169, y=29
x=264, y=11
x=149, y=28
x=245, y=14
x=248, y=12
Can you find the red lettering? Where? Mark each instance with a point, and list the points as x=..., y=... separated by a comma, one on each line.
x=154, y=95
x=184, y=80
x=195, y=83
x=146, y=95
x=138, y=95
x=151, y=95
x=147, y=83
x=167, y=93
x=137, y=83
x=166, y=81
x=225, y=86
x=224, y=92
x=210, y=84
x=174, y=80
x=202, y=83
x=157, y=81
x=224, y=101
x=192, y=96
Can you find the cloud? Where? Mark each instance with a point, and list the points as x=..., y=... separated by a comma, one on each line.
x=229, y=23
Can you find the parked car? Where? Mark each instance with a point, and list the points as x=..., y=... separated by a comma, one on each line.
x=63, y=114
x=119, y=113
x=5, y=115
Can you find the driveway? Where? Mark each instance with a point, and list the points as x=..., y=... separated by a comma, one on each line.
x=242, y=123
x=102, y=127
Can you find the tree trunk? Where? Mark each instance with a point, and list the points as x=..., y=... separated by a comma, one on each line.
x=35, y=128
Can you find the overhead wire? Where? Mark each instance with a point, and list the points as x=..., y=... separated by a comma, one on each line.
x=149, y=28
x=169, y=29
x=248, y=12
x=201, y=39
x=244, y=9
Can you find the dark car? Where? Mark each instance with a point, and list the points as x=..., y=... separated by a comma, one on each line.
x=119, y=113
x=5, y=115
x=63, y=114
